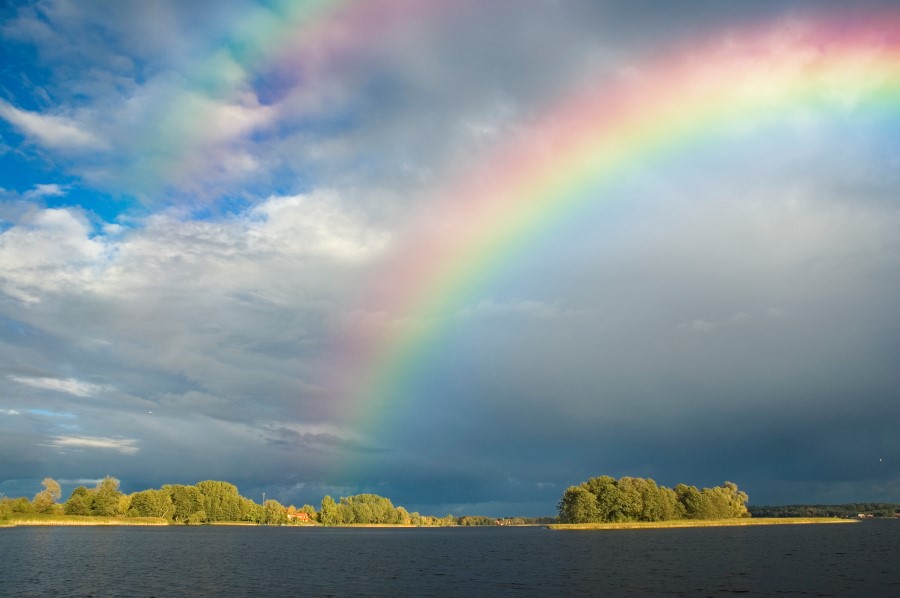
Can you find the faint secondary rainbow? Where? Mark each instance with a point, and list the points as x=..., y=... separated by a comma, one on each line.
x=286, y=46
x=574, y=157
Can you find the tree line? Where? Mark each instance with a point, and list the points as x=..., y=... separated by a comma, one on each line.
x=605, y=499
x=373, y=509
x=205, y=502
x=850, y=510
x=212, y=501
x=599, y=499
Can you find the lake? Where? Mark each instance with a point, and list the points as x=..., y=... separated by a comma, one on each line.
x=862, y=559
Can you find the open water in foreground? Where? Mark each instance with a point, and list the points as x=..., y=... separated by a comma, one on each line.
x=816, y=560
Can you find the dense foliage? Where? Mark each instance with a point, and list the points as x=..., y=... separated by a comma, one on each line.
x=206, y=502
x=850, y=510
x=605, y=499
x=371, y=509
x=211, y=501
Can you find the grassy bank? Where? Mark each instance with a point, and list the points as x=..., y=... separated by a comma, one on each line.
x=696, y=523
x=35, y=519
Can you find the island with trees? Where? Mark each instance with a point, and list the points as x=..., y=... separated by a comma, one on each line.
x=599, y=502
x=207, y=502
x=604, y=502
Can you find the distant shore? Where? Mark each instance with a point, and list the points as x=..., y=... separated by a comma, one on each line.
x=681, y=523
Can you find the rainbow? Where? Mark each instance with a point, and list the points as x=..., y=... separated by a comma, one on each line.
x=573, y=158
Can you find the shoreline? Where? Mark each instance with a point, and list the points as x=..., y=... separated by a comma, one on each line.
x=678, y=524
x=86, y=522
x=688, y=523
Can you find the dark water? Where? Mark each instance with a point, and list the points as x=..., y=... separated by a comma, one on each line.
x=818, y=560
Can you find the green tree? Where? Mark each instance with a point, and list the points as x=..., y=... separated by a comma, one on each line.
x=368, y=508
x=329, y=513
x=669, y=505
x=196, y=518
x=609, y=500
x=45, y=499
x=106, y=498
x=275, y=513
x=723, y=502
x=630, y=496
x=221, y=500
x=402, y=516
x=691, y=501
x=652, y=507
x=80, y=502
x=151, y=503
x=250, y=511
x=578, y=505
x=346, y=513
x=642, y=499
x=737, y=500
x=186, y=500
x=20, y=505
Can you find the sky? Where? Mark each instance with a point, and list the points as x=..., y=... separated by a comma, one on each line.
x=461, y=254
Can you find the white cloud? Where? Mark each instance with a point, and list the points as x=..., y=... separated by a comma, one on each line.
x=312, y=224
x=48, y=250
x=10, y=412
x=126, y=446
x=79, y=388
x=46, y=190
x=57, y=132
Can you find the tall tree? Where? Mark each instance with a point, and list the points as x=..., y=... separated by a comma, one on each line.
x=275, y=513
x=221, y=500
x=45, y=499
x=578, y=505
x=691, y=501
x=609, y=500
x=630, y=495
x=329, y=514
x=186, y=501
x=106, y=497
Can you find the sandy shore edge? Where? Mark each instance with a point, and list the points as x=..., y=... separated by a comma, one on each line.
x=689, y=523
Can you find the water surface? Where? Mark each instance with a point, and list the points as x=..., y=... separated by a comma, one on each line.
x=820, y=560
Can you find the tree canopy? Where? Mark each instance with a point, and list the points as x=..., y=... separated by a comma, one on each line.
x=605, y=499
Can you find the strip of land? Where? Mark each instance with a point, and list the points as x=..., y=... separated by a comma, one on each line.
x=82, y=520
x=699, y=523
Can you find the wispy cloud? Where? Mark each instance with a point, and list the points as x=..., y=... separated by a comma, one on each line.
x=72, y=386
x=48, y=413
x=57, y=132
x=46, y=190
x=126, y=446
